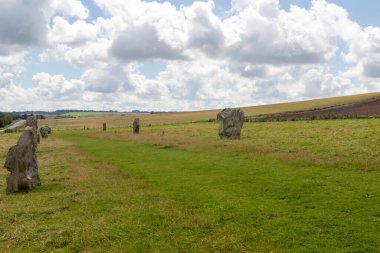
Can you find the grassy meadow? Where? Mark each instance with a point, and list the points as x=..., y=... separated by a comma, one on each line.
x=307, y=186
x=119, y=120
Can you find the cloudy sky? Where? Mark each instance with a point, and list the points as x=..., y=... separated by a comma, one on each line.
x=184, y=55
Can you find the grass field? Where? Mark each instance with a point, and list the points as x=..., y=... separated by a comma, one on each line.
x=284, y=187
x=118, y=121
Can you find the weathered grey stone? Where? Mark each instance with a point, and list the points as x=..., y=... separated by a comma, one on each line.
x=104, y=127
x=136, y=126
x=22, y=162
x=48, y=129
x=32, y=122
x=44, y=131
x=230, y=123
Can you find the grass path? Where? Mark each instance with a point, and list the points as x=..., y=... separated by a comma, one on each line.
x=256, y=203
x=87, y=205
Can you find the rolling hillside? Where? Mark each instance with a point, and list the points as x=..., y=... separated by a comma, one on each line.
x=186, y=117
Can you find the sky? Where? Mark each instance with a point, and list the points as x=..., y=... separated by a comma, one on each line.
x=184, y=55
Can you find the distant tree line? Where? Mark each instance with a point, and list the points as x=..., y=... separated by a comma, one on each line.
x=7, y=118
x=69, y=110
x=152, y=112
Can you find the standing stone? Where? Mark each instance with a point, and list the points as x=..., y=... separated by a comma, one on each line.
x=44, y=131
x=31, y=121
x=104, y=127
x=21, y=162
x=48, y=129
x=230, y=123
x=136, y=126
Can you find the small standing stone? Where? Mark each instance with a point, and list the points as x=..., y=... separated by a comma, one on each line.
x=48, y=129
x=136, y=126
x=104, y=127
x=230, y=123
x=44, y=131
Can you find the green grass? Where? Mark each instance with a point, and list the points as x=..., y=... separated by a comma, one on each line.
x=285, y=187
x=87, y=205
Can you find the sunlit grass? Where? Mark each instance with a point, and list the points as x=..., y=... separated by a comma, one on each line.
x=284, y=187
x=292, y=186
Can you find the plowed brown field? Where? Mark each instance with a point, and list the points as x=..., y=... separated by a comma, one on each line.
x=364, y=109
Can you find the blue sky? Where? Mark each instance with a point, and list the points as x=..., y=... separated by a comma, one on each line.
x=365, y=12
x=147, y=55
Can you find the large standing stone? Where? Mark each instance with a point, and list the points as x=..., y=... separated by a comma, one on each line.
x=136, y=126
x=31, y=121
x=104, y=127
x=21, y=161
x=230, y=123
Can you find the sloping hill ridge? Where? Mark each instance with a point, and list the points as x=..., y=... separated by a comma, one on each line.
x=261, y=110
x=194, y=116
x=265, y=110
x=313, y=104
x=368, y=108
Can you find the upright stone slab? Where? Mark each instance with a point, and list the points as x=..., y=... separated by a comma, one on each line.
x=104, y=127
x=44, y=131
x=21, y=162
x=31, y=121
x=230, y=123
x=48, y=129
x=136, y=126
